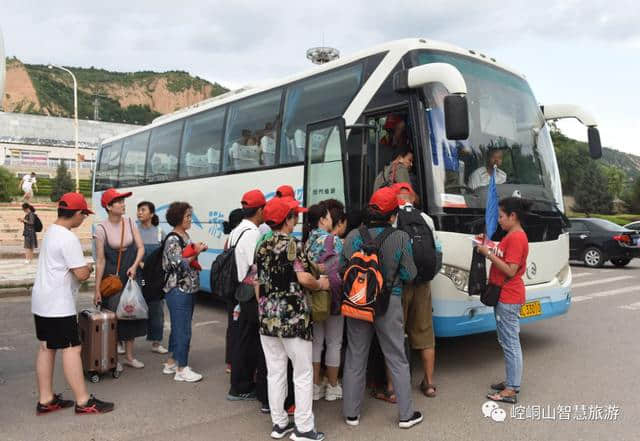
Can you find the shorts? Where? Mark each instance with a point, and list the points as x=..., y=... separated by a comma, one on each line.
x=418, y=315
x=58, y=332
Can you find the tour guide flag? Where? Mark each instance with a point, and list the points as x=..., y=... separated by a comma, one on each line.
x=491, y=212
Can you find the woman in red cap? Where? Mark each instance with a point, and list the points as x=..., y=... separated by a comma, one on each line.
x=119, y=235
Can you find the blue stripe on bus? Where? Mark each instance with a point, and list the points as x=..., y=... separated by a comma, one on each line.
x=466, y=325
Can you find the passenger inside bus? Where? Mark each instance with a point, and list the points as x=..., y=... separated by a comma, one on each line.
x=245, y=152
x=481, y=176
x=268, y=145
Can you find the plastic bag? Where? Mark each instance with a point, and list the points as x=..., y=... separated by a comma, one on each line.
x=132, y=305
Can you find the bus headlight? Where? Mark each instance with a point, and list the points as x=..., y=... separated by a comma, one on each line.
x=458, y=276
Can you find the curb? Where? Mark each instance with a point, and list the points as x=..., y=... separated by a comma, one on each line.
x=21, y=289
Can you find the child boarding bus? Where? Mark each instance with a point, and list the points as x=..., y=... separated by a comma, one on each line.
x=329, y=131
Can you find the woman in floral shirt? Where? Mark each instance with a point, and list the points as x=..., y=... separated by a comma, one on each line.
x=285, y=318
x=180, y=263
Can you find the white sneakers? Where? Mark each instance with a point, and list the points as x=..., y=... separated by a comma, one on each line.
x=169, y=369
x=187, y=375
x=159, y=349
x=133, y=363
x=333, y=393
x=121, y=348
x=318, y=391
x=326, y=391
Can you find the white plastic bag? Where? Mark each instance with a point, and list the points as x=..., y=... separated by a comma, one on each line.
x=132, y=305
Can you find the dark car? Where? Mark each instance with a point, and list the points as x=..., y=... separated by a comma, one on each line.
x=594, y=241
x=633, y=226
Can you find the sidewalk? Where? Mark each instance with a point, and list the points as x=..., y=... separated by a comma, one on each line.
x=17, y=277
x=17, y=252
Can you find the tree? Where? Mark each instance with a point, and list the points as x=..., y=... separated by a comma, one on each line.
x=615, y=181
x=632, y=196
x=8, y=185
x=592, y=194
x=62, y=183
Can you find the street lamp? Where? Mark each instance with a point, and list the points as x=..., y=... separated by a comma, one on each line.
x=75, y=113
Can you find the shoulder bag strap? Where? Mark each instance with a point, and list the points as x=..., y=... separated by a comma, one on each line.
x=364, y=233
x=231, y=247
x=120, y=249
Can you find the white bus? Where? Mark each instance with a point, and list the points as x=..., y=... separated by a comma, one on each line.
x=328, y=132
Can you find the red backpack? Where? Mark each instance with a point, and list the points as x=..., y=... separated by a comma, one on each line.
x=364, y=291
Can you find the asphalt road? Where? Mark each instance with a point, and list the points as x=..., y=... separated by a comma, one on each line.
x=580, y=382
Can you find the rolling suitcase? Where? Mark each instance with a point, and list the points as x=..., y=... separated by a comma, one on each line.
x=98, y=336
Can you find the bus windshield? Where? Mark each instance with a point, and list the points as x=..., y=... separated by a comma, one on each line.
x=508, y=138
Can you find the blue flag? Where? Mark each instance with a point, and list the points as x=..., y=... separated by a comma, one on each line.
x=491, y=212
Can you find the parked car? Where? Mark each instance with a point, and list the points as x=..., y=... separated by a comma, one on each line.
x=595, y=241
x=633, y=226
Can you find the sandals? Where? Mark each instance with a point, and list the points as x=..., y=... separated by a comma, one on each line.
x=384, y=395
x=500, y=386
x=429, y=390
x=510, y=399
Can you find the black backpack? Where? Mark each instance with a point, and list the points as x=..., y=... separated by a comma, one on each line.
x=37, y=223
x=154, y=277
x=224, y=272
x=427, y=259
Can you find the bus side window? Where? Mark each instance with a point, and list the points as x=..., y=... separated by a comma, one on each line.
x=247, y=122
x=134, y=151
x=107, y=168
x=162, y=160
x=312, y=100
x=202, y=144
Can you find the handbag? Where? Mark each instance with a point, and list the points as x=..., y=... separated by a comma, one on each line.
x=111, y=284
x=320, y=300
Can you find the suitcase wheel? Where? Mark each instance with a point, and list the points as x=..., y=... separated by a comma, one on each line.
x=94, y=378
x=116, y=373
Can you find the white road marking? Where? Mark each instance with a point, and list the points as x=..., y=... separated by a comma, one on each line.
x=210, y=322
x=632, y=307
x=576, y=275
x=614, y=292
x=7, y=348
x=601, y=281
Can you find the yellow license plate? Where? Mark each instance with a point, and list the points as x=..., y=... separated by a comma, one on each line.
x=531, y=309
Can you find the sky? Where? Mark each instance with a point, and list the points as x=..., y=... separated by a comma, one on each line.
x=572, y=52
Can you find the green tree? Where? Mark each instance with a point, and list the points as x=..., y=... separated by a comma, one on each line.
x=632, y=196
x=573, y=159
x=592, y=194
x=615, y=181
x=8, y=185
x=62, y=183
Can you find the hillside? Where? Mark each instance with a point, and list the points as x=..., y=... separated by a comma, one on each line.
x=132, y=97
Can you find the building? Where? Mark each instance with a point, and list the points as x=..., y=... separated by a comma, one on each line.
x=38, y=143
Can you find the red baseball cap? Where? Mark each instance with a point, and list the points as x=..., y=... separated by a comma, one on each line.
x=110, y=194
x=253, y=199
x=277, y=209
x=285, y=190
x=403, y=187
x=74, y=201
x=385, y=200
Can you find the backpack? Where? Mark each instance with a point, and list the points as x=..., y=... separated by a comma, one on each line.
x=428, y=260
x=37, y=223
x=154, y=277
x=364, y=290
x=224, y=272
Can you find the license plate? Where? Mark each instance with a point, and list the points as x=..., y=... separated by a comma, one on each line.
x=531, y=309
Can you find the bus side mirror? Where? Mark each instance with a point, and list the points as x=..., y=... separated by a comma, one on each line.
x=595, y=147
x=456, y=117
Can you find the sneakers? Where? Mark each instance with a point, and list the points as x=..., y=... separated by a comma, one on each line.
x=56, y=403
x=311, y=435
x=318, y=391
x=94, y=405
x=333, y=393
x=133, y=363
x=280, y=432
x=169, y=369
x=249, y=396
x=264, y=408
x=187, y=375
x=352, y=421
x=121, y=348
x=159, y=349
x=415, y=419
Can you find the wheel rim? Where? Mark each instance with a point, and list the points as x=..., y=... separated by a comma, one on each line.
x=592, y=257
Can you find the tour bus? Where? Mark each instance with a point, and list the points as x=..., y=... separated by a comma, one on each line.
x=329, y=131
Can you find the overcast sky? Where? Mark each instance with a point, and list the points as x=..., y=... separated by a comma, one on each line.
x=580, y=52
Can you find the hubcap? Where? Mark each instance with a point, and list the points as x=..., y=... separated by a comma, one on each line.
x=592, y=257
